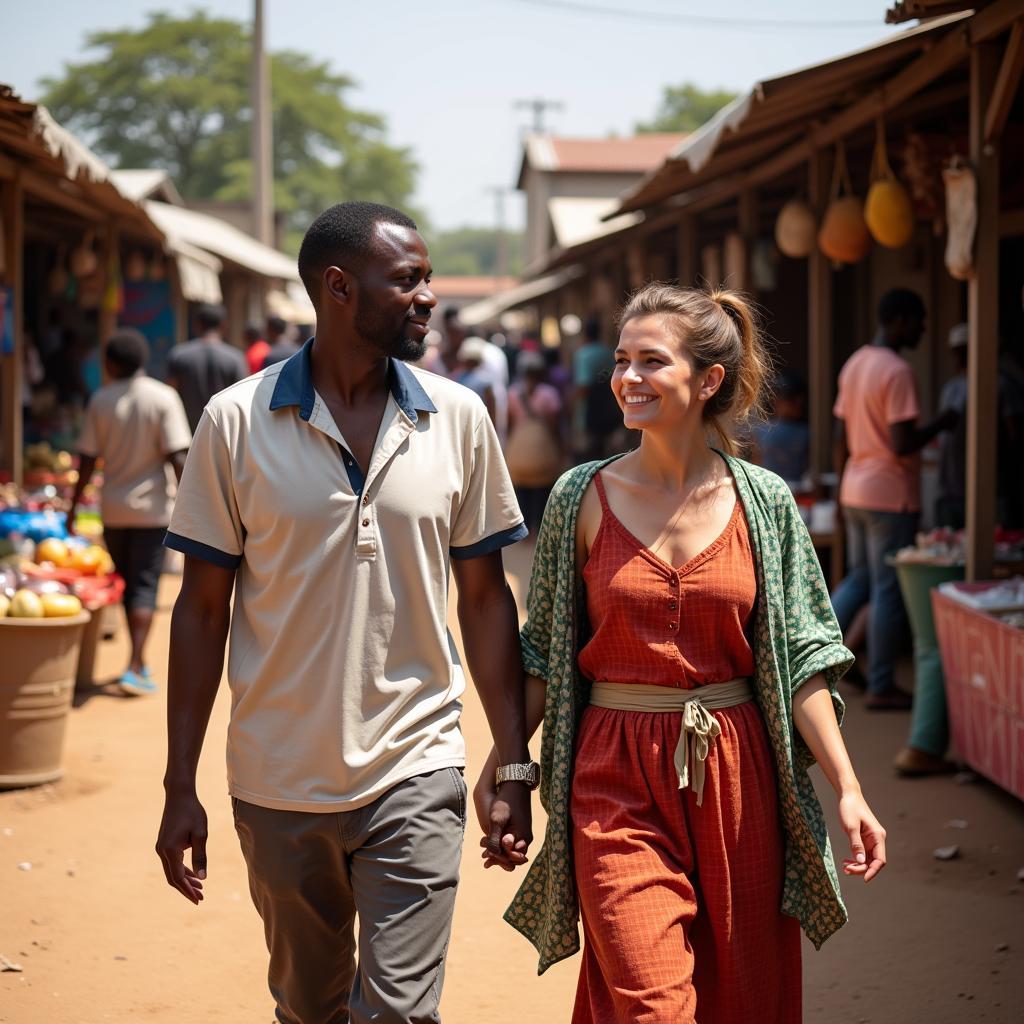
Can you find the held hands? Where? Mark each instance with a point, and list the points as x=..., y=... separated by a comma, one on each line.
x=183, y=826
x=504, y=814
x=867, y=837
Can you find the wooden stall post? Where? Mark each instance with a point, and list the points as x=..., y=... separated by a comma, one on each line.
x=686, y=251
x=820, y=365
x=983, y=320
x=748, y=224
x=12, y=212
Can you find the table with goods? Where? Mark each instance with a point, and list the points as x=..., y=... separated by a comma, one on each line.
x=54, y=589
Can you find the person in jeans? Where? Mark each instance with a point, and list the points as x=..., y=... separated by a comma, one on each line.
x=878, y=440
x=137, y=426
x=332, y=493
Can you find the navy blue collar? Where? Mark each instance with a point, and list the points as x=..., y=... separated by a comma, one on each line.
x=295, y=386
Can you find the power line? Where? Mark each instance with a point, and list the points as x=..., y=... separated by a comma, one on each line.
x=693, y=20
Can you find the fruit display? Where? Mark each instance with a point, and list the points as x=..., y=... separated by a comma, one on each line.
x=44, y=465
x=26, y=604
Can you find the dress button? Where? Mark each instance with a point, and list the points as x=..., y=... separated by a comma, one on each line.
x=672, y=606
x=671, y=625
x=366, y=522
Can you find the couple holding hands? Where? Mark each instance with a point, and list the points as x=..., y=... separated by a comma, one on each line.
x=680, y=652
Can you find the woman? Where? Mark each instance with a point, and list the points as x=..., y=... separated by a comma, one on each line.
x=682, y=651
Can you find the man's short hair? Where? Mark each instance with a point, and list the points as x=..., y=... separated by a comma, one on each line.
x=898, y=303
x=343, y=236
x=252, y=331
x=210, y=316
x=276, y=324
x=592, y=328
x=127, y=350
x=451, y=313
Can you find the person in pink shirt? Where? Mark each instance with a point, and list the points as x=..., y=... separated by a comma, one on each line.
x=878, y=440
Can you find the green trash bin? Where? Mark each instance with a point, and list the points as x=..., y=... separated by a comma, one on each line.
x=929, y=724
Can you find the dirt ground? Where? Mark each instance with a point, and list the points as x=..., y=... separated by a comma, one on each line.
x=100, y=936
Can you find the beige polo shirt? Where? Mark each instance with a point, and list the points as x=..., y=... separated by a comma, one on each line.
x=134, y=425
x=343, y=675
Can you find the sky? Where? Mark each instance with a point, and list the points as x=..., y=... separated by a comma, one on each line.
x=446, y=75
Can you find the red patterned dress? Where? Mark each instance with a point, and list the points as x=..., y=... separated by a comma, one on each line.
x=680, y=903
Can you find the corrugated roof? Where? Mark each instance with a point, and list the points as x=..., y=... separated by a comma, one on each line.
x=470, y=286
x=778, y=112
x=634, y=154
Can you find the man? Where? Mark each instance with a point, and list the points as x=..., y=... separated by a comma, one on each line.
x=281, y=346
x=256, y=347
x=200, y=368
x=877, y=444
x=443, y=358
x=137, y=426
x=781, y=443
x=950, y=502
x=330, y=491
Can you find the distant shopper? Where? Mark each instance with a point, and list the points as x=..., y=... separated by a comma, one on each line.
x=950, y=502
x=533, y=453
x=137, y=426
x=596, y=416
x=877, y=444
x=473, y=374
x=282, y=345
x=256, y=347
x=200, y=368
x=782, y=442
x=443, y=358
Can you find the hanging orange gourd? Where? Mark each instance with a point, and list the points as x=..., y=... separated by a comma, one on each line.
x=887, y=210
x=844, y=236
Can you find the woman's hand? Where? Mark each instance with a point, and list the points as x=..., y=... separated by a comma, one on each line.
x=867, y=837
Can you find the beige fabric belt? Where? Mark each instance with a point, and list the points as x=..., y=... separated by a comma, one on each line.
x=700, y=728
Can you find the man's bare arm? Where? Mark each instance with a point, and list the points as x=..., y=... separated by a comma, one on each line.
x=490, y=638
x=199, y=630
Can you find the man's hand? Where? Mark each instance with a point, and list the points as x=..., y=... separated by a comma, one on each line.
x=505, y=816
x=183, y=827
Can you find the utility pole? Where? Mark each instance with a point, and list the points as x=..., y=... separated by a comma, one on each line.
x=538, y=107
x=500, y=262
x=262, y=165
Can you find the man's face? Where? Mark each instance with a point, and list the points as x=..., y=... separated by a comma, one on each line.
x=394, y=298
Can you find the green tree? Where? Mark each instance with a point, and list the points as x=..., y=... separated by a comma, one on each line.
x=474, y=251
x=684, y=108
x=175, y=95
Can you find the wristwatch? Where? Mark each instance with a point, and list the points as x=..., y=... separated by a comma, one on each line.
x=528, y=774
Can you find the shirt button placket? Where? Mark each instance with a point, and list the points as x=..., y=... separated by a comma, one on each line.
x=673, y=603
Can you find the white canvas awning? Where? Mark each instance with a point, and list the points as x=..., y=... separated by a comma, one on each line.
x=198, y=272
x=222, y=239
x=580, y=219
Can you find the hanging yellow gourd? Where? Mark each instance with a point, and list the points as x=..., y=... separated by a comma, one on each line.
x=844, y=236
x=795, y=229
x=887, y=210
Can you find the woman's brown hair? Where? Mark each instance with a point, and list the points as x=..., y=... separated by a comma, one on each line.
x=716, y=326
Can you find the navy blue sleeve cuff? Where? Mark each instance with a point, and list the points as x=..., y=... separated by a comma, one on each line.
x=491, y=544
x=187, y=546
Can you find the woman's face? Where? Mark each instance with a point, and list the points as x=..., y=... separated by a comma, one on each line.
x=654, y=382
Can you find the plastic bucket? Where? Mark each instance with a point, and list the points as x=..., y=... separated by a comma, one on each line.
x=38, y=660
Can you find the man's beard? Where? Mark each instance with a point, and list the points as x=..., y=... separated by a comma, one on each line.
x=373, y=329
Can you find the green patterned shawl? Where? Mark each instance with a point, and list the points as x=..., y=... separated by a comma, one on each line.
x=795, y=637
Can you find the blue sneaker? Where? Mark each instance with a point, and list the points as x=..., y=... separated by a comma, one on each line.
x=136, y=684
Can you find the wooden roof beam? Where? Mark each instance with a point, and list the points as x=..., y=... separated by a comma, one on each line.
x=42, y=188
x=1006, y=85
